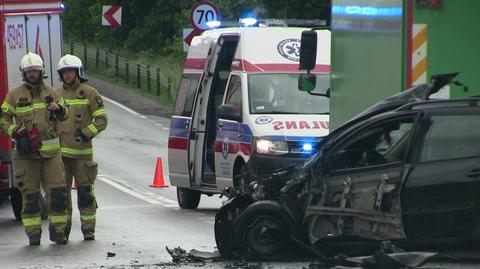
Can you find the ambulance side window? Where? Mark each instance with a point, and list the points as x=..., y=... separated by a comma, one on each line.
x=186, y=95
x=234, y=93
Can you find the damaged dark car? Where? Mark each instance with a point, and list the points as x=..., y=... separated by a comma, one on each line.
x=406, y=171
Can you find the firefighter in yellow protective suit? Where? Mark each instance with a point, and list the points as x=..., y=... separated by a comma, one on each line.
x=88, y=118
x=31, y=114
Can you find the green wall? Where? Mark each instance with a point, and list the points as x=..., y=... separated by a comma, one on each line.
x=367, y=55
x=453, y=42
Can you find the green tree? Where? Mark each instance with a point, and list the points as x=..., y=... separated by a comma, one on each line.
x=156, y=26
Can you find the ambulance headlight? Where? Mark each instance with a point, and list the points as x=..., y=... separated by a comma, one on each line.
x=273, y=147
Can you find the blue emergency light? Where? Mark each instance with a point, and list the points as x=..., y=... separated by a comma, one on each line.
x=247, y=22
x=307, y=147
x=213, y=24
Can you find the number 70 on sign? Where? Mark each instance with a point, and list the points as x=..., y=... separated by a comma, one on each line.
x=202, y=13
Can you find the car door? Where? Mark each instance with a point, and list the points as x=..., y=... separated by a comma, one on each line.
x=364, y=175
x=441, y=196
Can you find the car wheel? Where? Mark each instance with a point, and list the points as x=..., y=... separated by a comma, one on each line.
x=224, y=220
x=263, y=231
x=188, y=199
x=242, y=179
x=16, y=201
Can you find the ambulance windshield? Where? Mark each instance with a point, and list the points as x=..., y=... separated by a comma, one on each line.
x=278, y=94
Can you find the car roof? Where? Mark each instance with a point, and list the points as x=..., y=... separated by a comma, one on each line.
x=436, y=104
x=431, y=105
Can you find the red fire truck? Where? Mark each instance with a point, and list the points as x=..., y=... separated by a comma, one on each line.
x=26, y=25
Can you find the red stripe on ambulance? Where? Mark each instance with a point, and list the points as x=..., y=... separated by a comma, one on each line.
x=177, y=143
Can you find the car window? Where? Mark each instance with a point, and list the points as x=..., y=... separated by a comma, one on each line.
x=379, y=144
x=234, y=93
x=186, y=95
x=451, y=137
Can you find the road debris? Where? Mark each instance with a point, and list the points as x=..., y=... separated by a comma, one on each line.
x=179, y=255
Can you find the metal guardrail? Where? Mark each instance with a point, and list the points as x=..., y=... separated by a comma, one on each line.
x=124, y=68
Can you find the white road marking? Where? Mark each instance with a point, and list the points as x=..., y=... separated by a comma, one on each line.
x=166, y=129
x=143, y=117
x=137, y=192
x=121, y=106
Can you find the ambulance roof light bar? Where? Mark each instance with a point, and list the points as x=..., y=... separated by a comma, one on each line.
x=248, y=22
x=252, y=22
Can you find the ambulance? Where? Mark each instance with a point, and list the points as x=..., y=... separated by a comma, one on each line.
x=26, y=26
x=238, y=99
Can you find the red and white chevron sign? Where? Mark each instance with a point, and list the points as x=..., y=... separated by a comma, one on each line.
x=112, y=16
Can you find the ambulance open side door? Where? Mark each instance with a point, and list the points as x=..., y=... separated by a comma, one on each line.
x=203, y=126
x=196, y=139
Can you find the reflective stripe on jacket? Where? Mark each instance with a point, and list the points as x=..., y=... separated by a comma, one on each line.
x=88, y=115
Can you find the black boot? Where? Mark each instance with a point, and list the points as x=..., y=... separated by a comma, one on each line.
x=51, y=232
x=60, y=239
x=68, y=229
x=34, y=240
x=88, y=236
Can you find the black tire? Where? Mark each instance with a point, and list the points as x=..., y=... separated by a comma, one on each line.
x=224, y=220
x=4, y=195
x=242, y=180
x=188, y=199
x=16, y=202
x=251, y=240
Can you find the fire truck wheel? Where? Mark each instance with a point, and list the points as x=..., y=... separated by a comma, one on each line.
x=16, y=201
x=188, y=199
x=3, y=196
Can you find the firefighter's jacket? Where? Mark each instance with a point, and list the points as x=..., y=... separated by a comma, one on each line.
x=87, y=115
x=25, y=107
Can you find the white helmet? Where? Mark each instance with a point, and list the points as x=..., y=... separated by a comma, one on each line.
x=31, y=61
x=69, y=62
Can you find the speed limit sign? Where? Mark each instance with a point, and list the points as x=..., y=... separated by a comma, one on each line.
x=201, y=13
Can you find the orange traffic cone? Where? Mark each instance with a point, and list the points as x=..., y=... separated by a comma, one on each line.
x=158, y=180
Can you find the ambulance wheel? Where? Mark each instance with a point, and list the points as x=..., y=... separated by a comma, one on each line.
x=16, y=201
x=242, y=180
x=188, y=199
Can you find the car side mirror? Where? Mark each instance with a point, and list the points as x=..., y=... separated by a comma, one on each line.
x=229, y=112
x=308, y=50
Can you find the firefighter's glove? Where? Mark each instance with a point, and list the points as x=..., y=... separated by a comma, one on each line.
x=81, y=137
x=56, y=110
x=22, y=143
x=59, y=112
x=19, y=132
